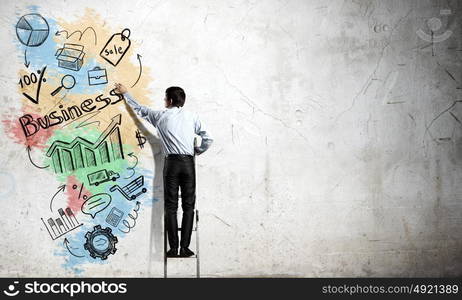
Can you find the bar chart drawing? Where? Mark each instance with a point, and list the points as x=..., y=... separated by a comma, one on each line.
x=62, y=225
x=81, y=153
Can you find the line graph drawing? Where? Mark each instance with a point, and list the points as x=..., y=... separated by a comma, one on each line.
x=81, y=153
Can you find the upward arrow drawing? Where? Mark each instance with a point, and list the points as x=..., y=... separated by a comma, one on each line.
x=117, y=120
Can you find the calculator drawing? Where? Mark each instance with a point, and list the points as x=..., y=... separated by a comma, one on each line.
x=114, y=217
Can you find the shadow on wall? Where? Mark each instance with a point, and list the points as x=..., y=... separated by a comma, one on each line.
x=156, y=242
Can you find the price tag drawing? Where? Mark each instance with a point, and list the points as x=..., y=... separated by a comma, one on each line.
x=116, y=47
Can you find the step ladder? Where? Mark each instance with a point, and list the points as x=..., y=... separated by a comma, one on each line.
x=196, y=256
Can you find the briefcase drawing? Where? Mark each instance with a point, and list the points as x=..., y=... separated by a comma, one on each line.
x=70, y=56
x=97, y=76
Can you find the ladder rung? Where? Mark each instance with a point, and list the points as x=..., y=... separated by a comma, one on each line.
x=176, y=257
x=195, y=256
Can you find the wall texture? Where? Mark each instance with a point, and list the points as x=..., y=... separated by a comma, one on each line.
x=337, y=127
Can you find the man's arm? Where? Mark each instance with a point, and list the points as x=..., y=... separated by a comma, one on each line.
x=205, y=136
x=143, y=111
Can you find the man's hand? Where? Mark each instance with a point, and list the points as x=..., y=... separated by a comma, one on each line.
x=120, y=88
x=198, y=150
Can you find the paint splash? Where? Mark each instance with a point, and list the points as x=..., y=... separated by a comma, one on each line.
x=14, y=130
x=87, y=112
x=76, y=193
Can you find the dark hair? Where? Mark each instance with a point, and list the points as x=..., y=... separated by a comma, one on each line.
x=176, y=94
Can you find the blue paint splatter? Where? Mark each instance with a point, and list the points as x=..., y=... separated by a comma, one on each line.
x=45, y=55
x=77, y=239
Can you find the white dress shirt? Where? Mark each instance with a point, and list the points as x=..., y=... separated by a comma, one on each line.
x=177, y=128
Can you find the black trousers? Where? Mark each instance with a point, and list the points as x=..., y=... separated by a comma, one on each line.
x=179, y=172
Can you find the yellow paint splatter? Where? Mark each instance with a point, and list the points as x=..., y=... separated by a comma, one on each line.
x=126, y=72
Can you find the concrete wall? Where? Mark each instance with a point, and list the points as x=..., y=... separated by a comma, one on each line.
x=337, y=127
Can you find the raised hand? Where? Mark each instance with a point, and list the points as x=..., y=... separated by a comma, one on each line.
x=120, y=88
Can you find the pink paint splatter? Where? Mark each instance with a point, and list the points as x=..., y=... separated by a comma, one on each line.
x=74, y=190
x=13, y=129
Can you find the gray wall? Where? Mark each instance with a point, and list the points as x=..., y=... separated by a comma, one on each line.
x=337, y=138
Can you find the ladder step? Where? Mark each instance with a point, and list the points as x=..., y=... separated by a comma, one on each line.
x=176, y=257
x=196, y=256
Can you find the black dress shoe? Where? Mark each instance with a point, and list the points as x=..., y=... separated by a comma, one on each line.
x=172, y=252
x=185, y=252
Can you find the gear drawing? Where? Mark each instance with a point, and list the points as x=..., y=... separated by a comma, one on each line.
x=100, y=242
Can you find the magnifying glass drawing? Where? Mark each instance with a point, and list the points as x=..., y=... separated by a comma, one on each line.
x=67, y=82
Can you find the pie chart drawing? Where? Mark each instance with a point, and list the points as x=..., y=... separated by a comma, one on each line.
x=32, y=30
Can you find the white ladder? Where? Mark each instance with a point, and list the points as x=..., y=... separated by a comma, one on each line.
x=196, y=256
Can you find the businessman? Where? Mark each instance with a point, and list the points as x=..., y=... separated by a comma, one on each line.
x=177, y=129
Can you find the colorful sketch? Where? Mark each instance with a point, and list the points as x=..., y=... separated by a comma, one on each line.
x=75, y=130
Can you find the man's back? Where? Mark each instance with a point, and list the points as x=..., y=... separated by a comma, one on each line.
x=177, y=128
